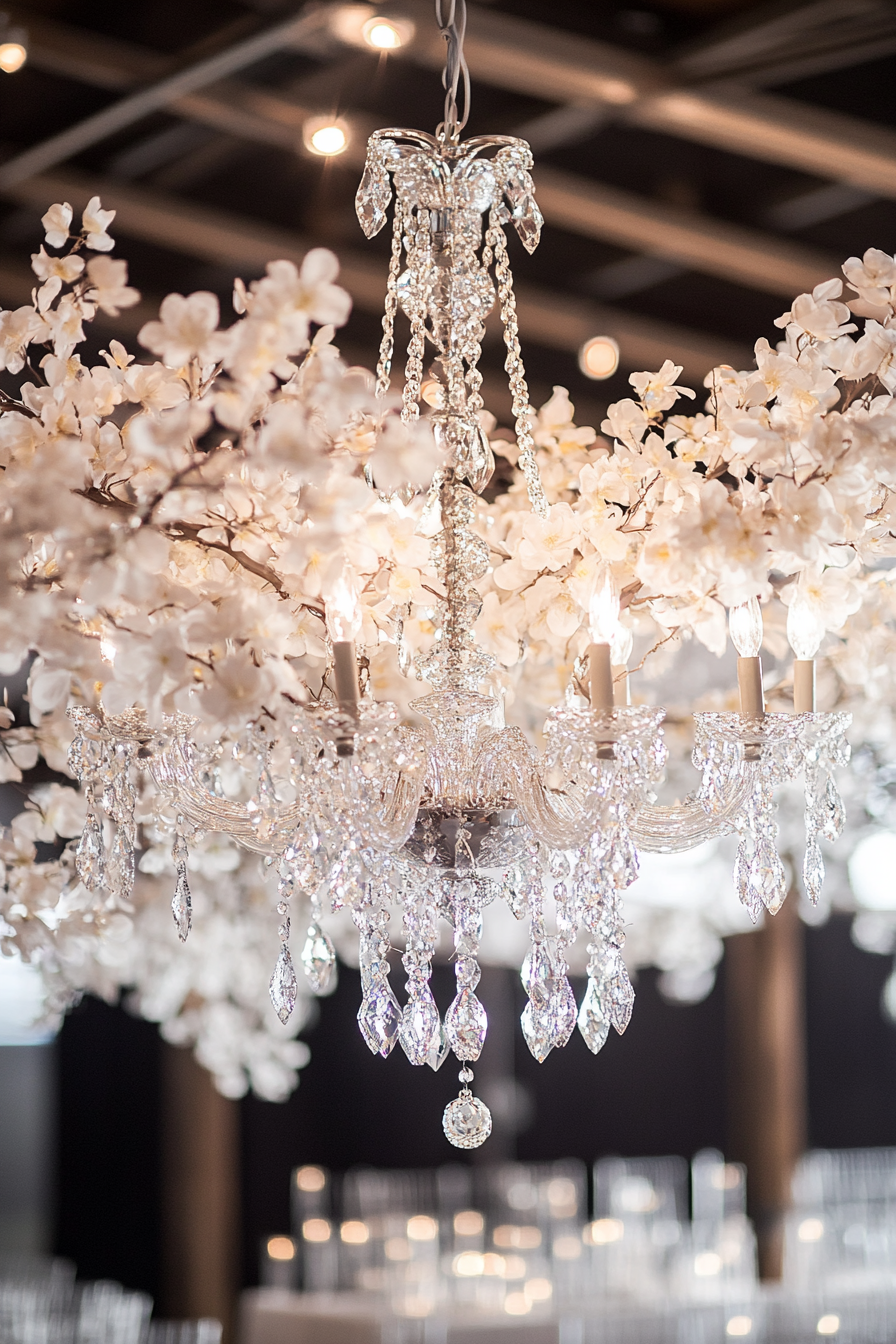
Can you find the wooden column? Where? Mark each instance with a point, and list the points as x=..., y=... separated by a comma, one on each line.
x=200, y=1224
x=767, y=1122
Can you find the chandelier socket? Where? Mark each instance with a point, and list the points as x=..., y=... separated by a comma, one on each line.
x=804, y=685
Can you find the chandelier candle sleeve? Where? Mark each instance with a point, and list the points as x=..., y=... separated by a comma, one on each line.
x=804, y=632
x=804, y=685
x=745, y=628
x=601, y=676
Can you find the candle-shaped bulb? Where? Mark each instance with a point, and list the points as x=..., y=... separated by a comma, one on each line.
x=621, y=645
x=745, y=628
x=343, y=608
x=804, y=629
x=603, y=610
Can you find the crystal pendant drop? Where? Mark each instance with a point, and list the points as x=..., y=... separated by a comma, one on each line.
x=833, y=812
x=466, y=1024
x=90, y=857
x=467, y=1121
x=123, y=860
x=439, y=1050
x=379, y=1018
x=283, y=986
x=594, y=1021
x=813, y=870
x=318, y=959
x=182, y=904
x=535, y=1023
x=420, y=1023
x=621, y=998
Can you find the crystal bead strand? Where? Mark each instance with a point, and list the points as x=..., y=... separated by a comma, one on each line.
x=283, y=984
x=514, y=365
x=421, y=1033
x=416, y=305
x=181, y=901
x=387, y=345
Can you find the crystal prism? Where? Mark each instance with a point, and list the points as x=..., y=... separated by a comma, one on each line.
x=594, y=1021
x=283, y=986
x=379, y=1018
x=467, y=1121
x=90, y=857
x=466, y=1024
x=420, y=1023
x=318, y=959
x=182, y=905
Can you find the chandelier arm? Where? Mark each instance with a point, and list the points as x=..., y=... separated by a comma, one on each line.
x=388, y=825
x=678, y=827
x=557, y=819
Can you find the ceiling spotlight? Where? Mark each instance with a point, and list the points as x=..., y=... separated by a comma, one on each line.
x=599, y=357
x=387, y=34
x=325, y=136
x=13, y=46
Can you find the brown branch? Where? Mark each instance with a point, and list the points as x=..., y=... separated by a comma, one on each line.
x=658, y=645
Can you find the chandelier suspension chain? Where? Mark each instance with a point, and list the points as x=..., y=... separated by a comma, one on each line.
x=453, y=27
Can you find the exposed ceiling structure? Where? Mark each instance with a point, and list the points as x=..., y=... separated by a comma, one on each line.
x=696, y=170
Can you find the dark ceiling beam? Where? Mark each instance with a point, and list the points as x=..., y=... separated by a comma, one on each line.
x=690, y=239
x=546, y=319
x=526, y=57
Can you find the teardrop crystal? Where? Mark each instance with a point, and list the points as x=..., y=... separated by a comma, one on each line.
x=439, y=1050
x=318, y=959
x=90, y=857
x=379, y=1018
x=182, y=905
x=283, y=986
x=594, y=1021
x=466, y=1024
x=813, y=870
x=420, y=1024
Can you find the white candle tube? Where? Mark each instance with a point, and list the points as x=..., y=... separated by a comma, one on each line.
x=601, y=676
x=749, y=683
x=804, y=685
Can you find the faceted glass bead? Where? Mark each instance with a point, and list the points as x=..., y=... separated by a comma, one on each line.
x=379, y=1018
x=467, y=1121
x=466, y=1024
x=420, y=1022
x=594, y=1021
x=283, y=986
x=182, y=905
x=318, y=958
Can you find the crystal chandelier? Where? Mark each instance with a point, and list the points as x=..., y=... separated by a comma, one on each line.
x=357, y=808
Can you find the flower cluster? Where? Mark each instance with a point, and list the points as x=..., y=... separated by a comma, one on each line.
x=175, y=529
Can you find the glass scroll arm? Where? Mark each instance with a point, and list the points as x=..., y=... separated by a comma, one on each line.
x=672, y=829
